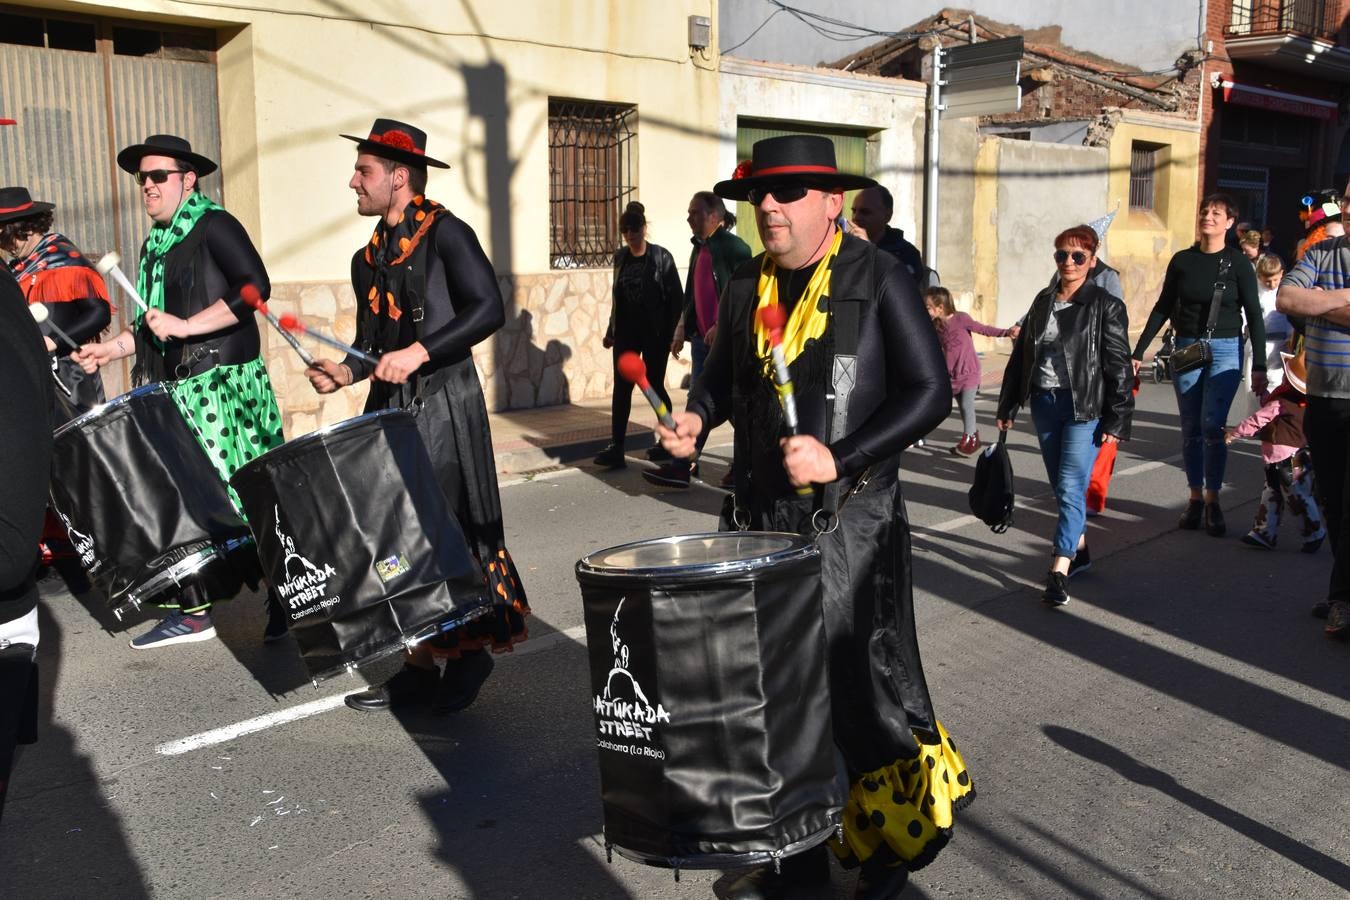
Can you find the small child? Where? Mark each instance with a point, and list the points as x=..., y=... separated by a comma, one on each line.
x=1289, y=476
x=1269, y=271
x=963, y=365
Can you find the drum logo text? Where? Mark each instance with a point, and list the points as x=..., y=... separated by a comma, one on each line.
x=304, y=584
x=81, y=543
x=626, y=719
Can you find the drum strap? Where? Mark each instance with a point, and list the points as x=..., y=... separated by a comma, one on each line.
x=844, y=315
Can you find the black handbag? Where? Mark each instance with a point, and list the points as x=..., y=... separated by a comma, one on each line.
x=992, y=498
x=1199, y=354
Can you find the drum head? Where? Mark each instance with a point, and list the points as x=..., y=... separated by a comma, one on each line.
x=712, y=553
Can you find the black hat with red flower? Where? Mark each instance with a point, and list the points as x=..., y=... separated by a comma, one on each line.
x=399, y=141
x=804, y=159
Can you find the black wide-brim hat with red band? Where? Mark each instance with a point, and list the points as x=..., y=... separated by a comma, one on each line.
x=398, y=141
x=17, y=203
x=172, y=146
x=804, y=159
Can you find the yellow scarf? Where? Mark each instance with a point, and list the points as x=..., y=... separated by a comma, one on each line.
x=808, y=319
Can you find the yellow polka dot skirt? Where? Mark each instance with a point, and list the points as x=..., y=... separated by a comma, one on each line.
x=902, y=814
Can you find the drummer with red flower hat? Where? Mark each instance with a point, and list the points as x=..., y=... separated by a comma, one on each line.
x=868, y=379
x=426, y=295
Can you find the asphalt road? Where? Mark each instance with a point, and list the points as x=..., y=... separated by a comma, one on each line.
x=1181, y=729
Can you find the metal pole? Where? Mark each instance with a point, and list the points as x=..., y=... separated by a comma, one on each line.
x=930, y=213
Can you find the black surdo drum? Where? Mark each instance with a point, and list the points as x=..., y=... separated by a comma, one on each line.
x=358, y=541
x=143, y=505
x=711, y=700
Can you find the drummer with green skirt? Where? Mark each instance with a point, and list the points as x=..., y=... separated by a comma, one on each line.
x=199, y=337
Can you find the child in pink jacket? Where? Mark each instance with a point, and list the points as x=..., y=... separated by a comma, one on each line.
x=963, y=364
x=1289, y=474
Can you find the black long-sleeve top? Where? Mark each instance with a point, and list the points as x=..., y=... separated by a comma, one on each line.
x=1188, y=290
x=903, y=389
x=25, y=450
x=463, y=303
x=82, y=320
x=212, y=263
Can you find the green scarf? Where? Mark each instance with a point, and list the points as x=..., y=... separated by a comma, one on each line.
x=161, y=239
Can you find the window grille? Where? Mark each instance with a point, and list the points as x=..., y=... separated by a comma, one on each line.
x=592, y=151
x=1143, y=165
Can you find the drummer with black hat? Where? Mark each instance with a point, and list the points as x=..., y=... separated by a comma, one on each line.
x=52, y=271
x=869, y=380
x=426, y=295
x=199, y=337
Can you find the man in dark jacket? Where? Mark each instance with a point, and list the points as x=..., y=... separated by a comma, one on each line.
x=426, y=294
x=872, y=211
x=25, y=458
x=716, y=254
x=869, y=380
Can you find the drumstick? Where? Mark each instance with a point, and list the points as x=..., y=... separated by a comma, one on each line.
x=773, y=319
x=108, y=265
x=249, y=294
x=291, y=323
x=40, y=314
x=634, y=370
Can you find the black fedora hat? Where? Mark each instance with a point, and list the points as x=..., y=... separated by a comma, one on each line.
x=804, y=159
x=17, y=203
x=164, y=145
x=398, y=141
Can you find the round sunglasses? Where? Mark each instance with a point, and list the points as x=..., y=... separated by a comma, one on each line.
x=1078, y=257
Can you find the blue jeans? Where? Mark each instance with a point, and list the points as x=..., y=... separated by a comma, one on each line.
x=1203, y=398
x=1068, y=448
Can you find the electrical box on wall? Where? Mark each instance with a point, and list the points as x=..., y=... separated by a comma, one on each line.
x=700, y=32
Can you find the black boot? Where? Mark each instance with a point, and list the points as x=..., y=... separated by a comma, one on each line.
x=410, y=686
x=1214, y=524
x=879, y=882
x=1191, y=518
x=804, y=870
x=462, y=680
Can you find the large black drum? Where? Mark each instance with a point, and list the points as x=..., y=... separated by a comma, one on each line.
x=711, y=698
x=358, y=541
x=144, y=507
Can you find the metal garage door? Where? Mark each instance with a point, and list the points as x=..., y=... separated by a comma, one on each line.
x=81, y=89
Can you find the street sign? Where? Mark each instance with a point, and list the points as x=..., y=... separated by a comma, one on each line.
x=981, y=79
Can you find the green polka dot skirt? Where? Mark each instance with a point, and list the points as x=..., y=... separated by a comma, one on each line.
x=233, y=413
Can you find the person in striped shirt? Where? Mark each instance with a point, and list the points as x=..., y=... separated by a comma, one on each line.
x=1318, y=289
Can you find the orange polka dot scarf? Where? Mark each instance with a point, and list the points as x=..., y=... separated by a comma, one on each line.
x=389, y=247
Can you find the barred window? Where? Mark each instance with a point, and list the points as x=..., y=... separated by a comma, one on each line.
x=592, y=151
x=1143, y=166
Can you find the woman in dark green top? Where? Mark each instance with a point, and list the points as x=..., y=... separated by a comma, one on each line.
x=1204, y=394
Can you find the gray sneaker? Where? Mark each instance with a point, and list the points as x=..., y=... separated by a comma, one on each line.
x=178, y=628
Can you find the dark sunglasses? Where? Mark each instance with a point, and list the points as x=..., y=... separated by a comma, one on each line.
x=1078, y=257
x=158, y=176
x=789, y=193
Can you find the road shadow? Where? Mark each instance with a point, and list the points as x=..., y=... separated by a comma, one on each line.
x=519, y=814
x=1297, y=852
x=61, y=836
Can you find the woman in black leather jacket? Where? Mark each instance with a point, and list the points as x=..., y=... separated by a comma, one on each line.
x=1072, y=363
x=647, y=301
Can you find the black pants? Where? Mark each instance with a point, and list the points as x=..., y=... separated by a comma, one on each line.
x=1326, y=424
x=18, y=707
x=655, y=355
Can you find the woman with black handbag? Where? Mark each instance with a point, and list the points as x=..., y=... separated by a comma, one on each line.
x=1208, y=290
x=1071, y=365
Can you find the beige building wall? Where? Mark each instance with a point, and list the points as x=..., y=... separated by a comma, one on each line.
x=477, y=76
x=1140, y=243
x=1025, y=193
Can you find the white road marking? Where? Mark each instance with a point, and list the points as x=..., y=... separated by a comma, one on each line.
x=326, y=704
